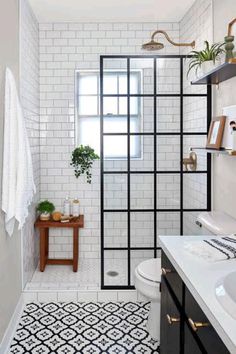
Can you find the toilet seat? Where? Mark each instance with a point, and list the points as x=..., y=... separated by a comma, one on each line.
x=150, y=270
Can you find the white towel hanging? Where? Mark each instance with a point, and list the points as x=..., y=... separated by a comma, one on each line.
x=18, y=186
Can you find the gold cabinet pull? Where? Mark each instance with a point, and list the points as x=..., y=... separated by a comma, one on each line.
x=172, y=320
x=196, y=325
x=165, y=271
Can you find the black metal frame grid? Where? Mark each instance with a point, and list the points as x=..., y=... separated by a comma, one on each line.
x=155, y=172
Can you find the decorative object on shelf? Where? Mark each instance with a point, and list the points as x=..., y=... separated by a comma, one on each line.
x=56, y=216
x=229, y=46
x=82, y=160
x=45, y=208
x=154, y=45
x=66, y=206
x=230, y=113
x=215, y=134
x=75, y=207
x=190, y=161
x=205, y=59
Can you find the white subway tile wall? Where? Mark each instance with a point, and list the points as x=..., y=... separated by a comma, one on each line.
x=196, y=25
x=29, y=95
x=65, y=48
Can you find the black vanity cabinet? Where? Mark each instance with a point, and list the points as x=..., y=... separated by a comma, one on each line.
x=185, y=329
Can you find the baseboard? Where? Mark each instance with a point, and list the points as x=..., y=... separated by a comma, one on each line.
x=81, y=296
x=10, y=331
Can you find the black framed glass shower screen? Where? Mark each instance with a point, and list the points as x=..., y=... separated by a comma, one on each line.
x=146, y=191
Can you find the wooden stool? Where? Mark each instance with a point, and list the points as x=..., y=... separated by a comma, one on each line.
x=44, y=226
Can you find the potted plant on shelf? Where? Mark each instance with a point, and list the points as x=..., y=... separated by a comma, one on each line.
x=205, y=59
x=82, y=159
x=45, y=208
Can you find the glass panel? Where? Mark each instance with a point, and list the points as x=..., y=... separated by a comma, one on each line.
x=115, y=153
x=141, y=191
x=89, y=132
x=168, y=224
x=195, y=191
x=134, y=105
x=194, y=114
x=115, y=147
x=115, y=268
x=168, y=114
x=136, y=258
x=110, y=106
x=123, y=105
x=114, y=124
x=194, y=141
x=168, y=153
x=115, y=229
x=142, y=231
x=147, y=114
x=110, y=83
x=88, y=83
x=122, y=84
x=187, y=87
x=168, y=191
x=119, y=67
x=141, y=78
x=168, y=75
x=88, y=105
x=189, y=224
x=115, y=191
x=143, y=147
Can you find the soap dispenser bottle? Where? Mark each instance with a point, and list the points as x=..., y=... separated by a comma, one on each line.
x=75, y=207
x=66, y=206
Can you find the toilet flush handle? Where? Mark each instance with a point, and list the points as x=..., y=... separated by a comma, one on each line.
x=165, y=271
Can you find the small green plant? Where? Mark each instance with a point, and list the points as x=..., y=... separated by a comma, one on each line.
x=45, y=207
x=82, y=160
x=209, y=53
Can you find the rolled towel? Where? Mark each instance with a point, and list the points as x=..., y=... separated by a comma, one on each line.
x=215, y=249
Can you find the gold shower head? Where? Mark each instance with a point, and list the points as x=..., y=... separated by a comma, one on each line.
x=153, y=45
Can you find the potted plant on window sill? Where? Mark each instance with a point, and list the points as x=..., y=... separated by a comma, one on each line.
x=82, y=159
x=45, y=208
x=205, y=60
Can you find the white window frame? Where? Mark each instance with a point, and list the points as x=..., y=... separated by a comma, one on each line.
x=139, y=154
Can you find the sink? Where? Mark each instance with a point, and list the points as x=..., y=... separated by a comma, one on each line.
x=226, y=293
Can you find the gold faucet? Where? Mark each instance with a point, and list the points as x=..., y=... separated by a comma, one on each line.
x=190, y=162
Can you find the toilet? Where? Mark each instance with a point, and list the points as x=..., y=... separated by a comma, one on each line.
x=147, y=279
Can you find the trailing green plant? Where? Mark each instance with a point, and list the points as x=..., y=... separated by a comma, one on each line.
x=45, y=207
x=82, y=160
x=208, y=53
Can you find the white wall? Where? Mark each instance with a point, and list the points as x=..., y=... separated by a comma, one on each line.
x=29, y=94
x=224, y=167
x=10, y=250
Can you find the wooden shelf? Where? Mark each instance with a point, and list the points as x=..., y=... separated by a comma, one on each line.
x=219, y=74
x=202, y=150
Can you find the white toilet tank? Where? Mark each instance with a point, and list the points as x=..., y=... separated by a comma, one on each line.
x=216, y=223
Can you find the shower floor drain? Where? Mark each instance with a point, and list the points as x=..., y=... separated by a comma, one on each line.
x=112, y=273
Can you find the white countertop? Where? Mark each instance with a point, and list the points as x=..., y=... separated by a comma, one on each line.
x=200, y=277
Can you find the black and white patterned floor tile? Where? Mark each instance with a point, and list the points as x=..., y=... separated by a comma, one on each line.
x=87, y=328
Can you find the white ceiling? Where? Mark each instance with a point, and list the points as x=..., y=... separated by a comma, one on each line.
x=110, y=10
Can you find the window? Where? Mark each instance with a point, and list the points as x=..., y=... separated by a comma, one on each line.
x=114, y=109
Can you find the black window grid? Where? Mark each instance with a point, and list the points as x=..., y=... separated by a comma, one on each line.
x=181, y=172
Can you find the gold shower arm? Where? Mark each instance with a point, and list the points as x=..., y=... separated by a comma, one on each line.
x=192, y=44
